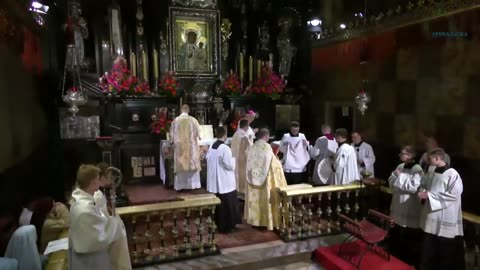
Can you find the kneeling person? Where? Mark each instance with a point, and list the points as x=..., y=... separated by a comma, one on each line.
x=221, y=181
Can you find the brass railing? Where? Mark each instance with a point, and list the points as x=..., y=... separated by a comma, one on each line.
x=307, y=211
x=169, y=231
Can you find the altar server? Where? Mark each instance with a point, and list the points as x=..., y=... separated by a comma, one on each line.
x=365, y=155
x=345, y=161
x=404, y=208
x=185, y=133
x=96, y=240
x=441, y=216
x=241, y=143
x=430, y=144
x=294, y=146
x=221, y=182
x=325, y=147
x=264, y=175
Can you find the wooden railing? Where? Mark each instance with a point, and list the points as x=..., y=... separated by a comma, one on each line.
x=307, y=211
x=169, y=231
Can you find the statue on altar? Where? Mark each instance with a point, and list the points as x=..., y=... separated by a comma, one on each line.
x=286, y=50
x=263, y=36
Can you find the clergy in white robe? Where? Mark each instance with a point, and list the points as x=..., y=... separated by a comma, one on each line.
x=294, y=146
x=96, y=239
x=325, y=147
x=365, y=155
x=345, y=161
x=264, y=175
x=221, y=181
x=404, y=183
x=185, y=133
x=241, y=143
x=441, y=216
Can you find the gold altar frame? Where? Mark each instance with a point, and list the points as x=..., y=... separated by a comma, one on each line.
x=195, y=42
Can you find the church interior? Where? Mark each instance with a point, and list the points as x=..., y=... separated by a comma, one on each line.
x=89, y=82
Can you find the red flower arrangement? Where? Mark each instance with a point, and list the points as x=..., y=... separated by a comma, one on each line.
x=119, y=82
x=168, y=85
x=232, y=84
x=161, y=123
x=269, y=84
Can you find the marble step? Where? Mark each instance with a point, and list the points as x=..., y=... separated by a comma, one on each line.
x=269, y=255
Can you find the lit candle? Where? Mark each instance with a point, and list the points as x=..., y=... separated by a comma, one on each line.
x=133, y=64
x=241, y=67
x=250, y=69
x=155, y=64
x=144, y=64
x=259, y=68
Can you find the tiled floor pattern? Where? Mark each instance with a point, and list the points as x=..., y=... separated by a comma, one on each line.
x=266, y=256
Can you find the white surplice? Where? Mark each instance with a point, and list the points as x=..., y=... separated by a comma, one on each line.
x=220, y=169
x=441, y=213
x=405, y=205
x=101, y=202
x=345, y=165
x=185, y=132
x=295, y=153
x=323, y=148
x=96, y=240
x=365, y=154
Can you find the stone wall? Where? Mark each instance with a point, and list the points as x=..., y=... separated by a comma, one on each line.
x=418, y=84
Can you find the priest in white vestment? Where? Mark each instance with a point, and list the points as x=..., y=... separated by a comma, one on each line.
x=241, y=143
x=325, y=147
x=221, y=181
x=430, y=144
x=264, y=175
x=185, y=133
x=345, y=169
x=365, y=155
x=404, y=183
x=96, y=239
x=294, y=146
x=441, y=216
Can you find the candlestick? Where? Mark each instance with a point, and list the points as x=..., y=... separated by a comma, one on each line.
x=241, y=67
x=133, y=64
x=250, y=69
x=259, y=68
x=155, y=64
x=144, y=65
x=270, y=61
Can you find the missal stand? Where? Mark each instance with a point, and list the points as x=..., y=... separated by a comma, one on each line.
x=367, y=232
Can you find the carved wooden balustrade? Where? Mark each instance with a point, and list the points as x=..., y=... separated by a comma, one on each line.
x=168, y=231
x=307, y=211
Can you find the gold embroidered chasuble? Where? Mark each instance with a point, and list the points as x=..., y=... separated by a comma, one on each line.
x=240, y=146
x=264, y=175
x=185, y=132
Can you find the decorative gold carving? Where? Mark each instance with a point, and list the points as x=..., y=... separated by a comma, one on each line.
x=409, y=14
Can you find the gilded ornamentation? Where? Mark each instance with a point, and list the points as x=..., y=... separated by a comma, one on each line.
x=226, y=31
x=410, y=13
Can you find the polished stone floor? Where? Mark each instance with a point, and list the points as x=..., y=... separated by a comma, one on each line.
x=266, y=256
